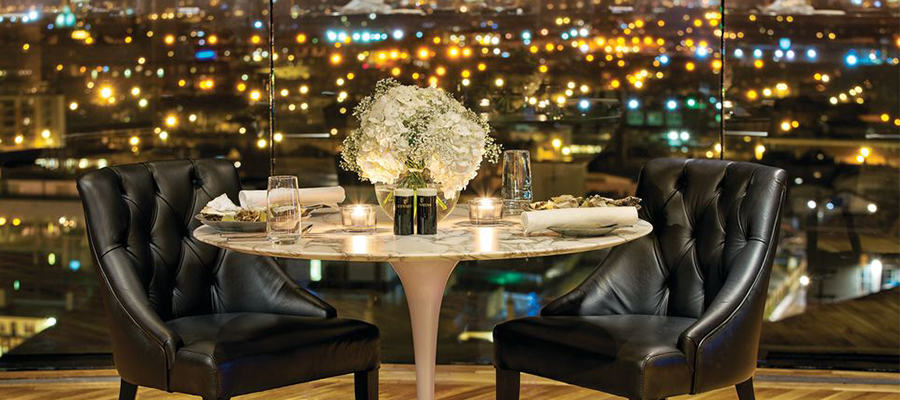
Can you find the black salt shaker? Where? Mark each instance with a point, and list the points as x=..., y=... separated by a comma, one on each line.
x=404, y=212
x=426, y=211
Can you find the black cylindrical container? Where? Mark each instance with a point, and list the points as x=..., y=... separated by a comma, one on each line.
x=404, y=212
x=426, y=211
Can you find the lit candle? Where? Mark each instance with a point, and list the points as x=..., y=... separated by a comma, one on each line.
x=485, y=210
x=358, y=217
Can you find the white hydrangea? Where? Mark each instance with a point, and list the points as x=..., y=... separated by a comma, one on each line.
x=411, y=130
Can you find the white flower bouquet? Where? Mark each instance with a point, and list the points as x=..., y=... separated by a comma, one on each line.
x=411, y=137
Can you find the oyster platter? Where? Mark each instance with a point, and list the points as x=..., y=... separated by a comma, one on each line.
x=570, y=201
x=222, y=214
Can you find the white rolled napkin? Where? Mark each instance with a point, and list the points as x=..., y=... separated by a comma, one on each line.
x=221, y=204
x=329, y=196
x=578, y=218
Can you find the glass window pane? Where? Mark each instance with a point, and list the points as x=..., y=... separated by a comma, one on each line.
x=593, y=89
x=85, y=85
x=812, y=88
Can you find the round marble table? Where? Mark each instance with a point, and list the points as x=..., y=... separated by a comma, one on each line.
x=423, y=263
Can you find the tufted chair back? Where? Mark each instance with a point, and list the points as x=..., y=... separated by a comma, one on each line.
x=706, y=214
x=153, y=273
x=140, y=217
x=708, y=259
x=713, y=221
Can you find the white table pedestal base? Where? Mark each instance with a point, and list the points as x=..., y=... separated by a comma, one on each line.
x=424, y=282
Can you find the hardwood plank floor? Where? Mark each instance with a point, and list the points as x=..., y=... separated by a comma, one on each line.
x=456, y=383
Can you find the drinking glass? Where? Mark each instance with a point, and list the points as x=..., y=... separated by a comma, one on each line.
x=283, y=208
x=516, y=180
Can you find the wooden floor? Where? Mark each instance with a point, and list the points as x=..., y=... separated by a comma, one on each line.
x=456, y=383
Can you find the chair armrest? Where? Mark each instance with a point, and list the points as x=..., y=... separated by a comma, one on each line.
x=249, y=283
x=723, y=343
x=142, y=342
x=617, y=286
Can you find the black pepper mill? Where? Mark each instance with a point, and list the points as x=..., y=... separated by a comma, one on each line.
x=404, y=212
x=426, y=211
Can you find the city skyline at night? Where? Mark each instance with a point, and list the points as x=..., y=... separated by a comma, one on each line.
x=594, y=89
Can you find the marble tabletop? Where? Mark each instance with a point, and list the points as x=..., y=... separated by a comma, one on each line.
x=456, y=240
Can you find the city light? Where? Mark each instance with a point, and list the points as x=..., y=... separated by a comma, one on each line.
x=784, y=43
x=171, y=121
x=811, y=204
x=633, y=104
x=671, y=104
x=106, y=92
x=851, y=60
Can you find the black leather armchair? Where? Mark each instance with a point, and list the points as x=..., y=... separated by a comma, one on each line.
x=192, y=318
x=676, y=312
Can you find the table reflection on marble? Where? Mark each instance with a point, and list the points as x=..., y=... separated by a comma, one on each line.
x=423, y=262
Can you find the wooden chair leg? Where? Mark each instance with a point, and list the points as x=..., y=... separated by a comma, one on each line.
x=127, y=391
x=745, y=390
x=507, y=384
x=366, y=385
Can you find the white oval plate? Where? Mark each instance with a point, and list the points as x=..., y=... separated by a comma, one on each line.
x=586, y=232
x=234, y=226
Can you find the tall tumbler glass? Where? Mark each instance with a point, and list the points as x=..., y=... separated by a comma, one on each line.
x=283, y=209
x=516, y=180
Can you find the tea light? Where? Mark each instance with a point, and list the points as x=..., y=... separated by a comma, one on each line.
x=358, y=217
x=485, y=211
